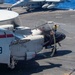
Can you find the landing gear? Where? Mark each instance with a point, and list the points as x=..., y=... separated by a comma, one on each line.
x=9, y=9
x=12, y=63
x=28, y=9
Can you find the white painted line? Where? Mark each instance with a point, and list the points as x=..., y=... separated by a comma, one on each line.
x=58, y=16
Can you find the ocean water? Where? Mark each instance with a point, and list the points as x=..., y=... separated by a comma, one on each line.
x=65, y=5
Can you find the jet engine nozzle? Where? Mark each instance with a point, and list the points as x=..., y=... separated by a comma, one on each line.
x=51, y=6
x=45, y=5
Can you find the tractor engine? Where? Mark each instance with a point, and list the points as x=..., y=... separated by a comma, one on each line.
x=49, y=39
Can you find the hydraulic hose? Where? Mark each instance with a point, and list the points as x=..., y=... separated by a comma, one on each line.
x=54, y=49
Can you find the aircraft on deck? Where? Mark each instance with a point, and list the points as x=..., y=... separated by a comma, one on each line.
x=33, y=4
x=23, y=43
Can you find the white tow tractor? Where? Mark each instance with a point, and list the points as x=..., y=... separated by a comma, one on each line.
x=23, y=43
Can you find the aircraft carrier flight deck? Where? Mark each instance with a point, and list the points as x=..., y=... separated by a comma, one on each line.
x=63, y=63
